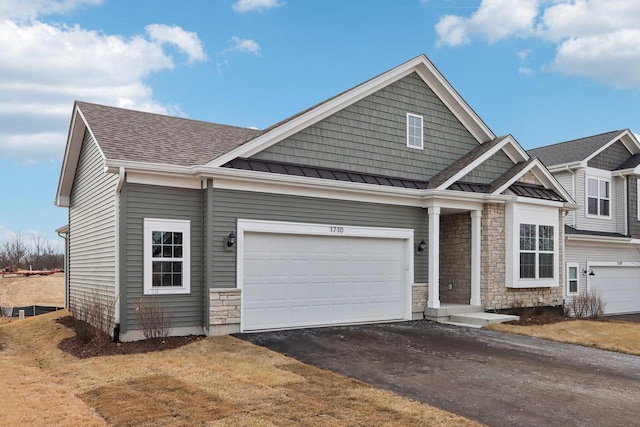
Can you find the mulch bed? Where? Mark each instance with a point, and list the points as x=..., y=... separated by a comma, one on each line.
x=104, y=346
x=537, y=315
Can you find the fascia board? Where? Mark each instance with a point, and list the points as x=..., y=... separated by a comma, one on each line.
x=604, y=147
x=72, y=149
x=452, y=99
x=477, y=162
x=421, y=65
x=630, y=141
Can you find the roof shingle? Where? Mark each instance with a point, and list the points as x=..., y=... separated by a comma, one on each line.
x=155, y=138
x=572, y=151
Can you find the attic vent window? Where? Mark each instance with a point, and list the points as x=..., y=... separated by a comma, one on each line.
x=414, y=131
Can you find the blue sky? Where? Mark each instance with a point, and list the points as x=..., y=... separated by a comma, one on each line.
x=543, y=70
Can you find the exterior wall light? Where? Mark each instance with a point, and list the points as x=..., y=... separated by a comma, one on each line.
x=589, y=272
x=422, y=246
x=231, y=240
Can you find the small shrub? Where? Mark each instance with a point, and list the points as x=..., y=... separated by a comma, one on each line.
x=589, y=305
x=154, y=320
x=94, y=318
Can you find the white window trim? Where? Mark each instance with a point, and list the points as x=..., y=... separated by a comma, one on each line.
x=173, y=225
x=576, y=265
x=409, y=116
x=536, y=251
x=523, y=213
x=586, y=197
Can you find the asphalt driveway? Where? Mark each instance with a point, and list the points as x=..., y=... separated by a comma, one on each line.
x=492, y=377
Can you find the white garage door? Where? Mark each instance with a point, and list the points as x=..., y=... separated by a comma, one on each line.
x=296, y=280
x=620, y=287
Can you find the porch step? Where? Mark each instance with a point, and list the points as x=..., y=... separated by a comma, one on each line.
x=480, y=318
x=447, y=310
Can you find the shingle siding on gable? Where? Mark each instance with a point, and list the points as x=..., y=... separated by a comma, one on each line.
x=369, y=136
x=632, y=191
x=92, y=256
x=610, y=158
x=147, y=201
x=490, y=169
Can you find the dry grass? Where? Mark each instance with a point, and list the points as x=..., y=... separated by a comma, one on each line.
x=623, y=337
x=35, y=290
x=220, y=381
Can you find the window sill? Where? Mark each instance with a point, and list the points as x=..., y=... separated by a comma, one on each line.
x=168, y=291
x=533, y=283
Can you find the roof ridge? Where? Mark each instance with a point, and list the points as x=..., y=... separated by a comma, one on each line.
x=78, y=102
x=577, y=139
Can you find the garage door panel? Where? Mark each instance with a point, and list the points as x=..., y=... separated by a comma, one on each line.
x=299, y=280
x=619, y=286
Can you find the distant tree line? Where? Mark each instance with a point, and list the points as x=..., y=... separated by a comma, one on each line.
x=35, y=253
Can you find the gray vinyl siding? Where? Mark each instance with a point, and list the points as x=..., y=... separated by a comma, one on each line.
x=230, y=205
x=146, y=201
x=610, y=158
x=92, y=230
x=589, y=252
x=585, y=222
x=634, y=224
x=566, y=180
x=489, y=170
x=370, y=136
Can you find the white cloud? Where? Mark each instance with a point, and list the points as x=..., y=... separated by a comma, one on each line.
x=29, y=9
x=47, y=66
x=612, y=57
x=243, y=6
x=494, y=20
x=598, y=39
x=243, y=46
x=187, y=42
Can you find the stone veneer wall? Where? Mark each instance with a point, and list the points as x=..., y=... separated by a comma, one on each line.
x=419, y=292
x=224, y=311
x=455, y=258
x=493, y=292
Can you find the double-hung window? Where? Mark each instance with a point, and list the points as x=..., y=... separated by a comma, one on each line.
x=572, y=278
x=414, y=131
x=167, y=247
x=536, y=251
x=598, y=197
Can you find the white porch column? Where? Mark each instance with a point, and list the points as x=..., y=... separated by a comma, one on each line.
x=476, y=226
x=434, y=258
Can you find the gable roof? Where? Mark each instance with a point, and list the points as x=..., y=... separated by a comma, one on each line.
x=583, y=149
x=458, y=169
x=154, y=138
x=419, y=65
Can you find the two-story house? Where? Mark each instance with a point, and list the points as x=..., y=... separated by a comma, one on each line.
x=602, y=237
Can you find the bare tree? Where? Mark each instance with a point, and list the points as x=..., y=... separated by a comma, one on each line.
x=38, y=241
x=16, y=251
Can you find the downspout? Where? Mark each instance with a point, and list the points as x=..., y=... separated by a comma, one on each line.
x=66, y=268
x=116, y=303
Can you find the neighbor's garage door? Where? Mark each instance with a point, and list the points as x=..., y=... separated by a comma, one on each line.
x=294, y=280
x=619, y=286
